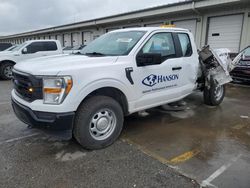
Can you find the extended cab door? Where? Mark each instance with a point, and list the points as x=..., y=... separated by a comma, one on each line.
x=173, y=78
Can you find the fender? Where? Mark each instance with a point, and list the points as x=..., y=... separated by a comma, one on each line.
x=7, y=58
x=102, y=83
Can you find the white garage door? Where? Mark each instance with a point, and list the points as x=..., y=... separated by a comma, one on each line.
x=87, y=37
x=76, y=39
x=60, y=38
x=187, y=24
x=67, y=39
x=225, y=32
x=52, y=37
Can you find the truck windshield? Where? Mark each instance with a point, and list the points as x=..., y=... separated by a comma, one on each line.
x=113, y=44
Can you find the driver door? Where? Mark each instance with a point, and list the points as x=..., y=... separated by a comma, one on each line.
x=165, y=82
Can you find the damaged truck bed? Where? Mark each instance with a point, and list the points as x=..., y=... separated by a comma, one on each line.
x=215, y=65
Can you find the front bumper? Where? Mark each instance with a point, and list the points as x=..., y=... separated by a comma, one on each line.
x=44, y=120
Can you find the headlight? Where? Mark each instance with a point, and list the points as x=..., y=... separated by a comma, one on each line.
x=55, y=89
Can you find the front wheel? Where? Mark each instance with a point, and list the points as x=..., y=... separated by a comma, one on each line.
x=98, y=122
x=6, y=71
x=214, y=95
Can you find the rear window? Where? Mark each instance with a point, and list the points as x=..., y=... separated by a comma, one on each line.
x=186, y=46
x=50, y=46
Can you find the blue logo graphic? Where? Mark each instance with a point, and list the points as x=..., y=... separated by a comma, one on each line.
x=153, y=79
x=150, y=80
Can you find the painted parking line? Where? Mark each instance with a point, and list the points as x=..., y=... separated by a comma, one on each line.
x=174, y=161
x=19, y=138
x=184, y=157
x=217, y=173
x=147, y=152
x=159, y=158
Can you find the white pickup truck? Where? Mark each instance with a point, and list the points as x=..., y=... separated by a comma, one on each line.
x=120, y=73
x=27, y=50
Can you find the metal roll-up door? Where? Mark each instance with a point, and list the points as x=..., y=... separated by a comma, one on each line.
x=67, y=39
x=187, y=24
x=60, y=38
x=76, y=39
x=225, y=32
x=87, y=37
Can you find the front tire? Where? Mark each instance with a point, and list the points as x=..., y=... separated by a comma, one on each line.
x=6, y=71
x=214, y=95
x=98, y=122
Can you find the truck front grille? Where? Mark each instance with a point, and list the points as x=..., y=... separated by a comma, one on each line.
x=27, y=86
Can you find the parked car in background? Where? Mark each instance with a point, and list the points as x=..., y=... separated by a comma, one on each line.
x=27, y=50
x=73, y=50
x=11, y=48
x=4, y=46
x=242, y=70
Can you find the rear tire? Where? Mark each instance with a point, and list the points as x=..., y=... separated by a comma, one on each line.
x=98, y=122
x=6, y=71
x=214, y=95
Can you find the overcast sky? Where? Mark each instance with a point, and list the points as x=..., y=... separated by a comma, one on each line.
x=25, y=15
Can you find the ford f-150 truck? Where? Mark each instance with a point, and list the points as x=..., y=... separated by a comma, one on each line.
x=27, y=50
x=120, y=73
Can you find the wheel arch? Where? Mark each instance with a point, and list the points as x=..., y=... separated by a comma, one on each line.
x=109, y=91
x=7, y=61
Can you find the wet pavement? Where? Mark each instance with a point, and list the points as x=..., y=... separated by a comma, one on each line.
x=208, y=144
x=29, y=158
x=157, y=149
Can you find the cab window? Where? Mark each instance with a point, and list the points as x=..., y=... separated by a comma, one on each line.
x=41, y=46
x=34, y=47
x=185, y=43
x=50, y=46
x=161, y=43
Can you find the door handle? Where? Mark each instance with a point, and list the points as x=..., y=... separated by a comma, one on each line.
x=176, y=68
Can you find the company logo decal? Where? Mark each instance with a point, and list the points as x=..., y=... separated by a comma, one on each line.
x=153, y=79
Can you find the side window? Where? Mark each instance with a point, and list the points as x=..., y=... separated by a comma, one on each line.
x=161, y=43
x=50, y=46
x=34, y=47
x=186, y=46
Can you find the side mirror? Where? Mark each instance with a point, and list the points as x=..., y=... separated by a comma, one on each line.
x=148, y=59
x=24, y=51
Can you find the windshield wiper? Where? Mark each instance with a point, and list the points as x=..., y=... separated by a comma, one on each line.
x=95, y=53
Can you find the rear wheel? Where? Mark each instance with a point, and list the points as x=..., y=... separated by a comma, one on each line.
x=215, y=94
x=6, y=71
x=98, y=123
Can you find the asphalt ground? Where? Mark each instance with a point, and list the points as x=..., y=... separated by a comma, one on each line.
x=30, y=158
x=208, y=144
x=197, y=146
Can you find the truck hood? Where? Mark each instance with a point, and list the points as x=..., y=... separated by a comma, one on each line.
x=52, y=65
